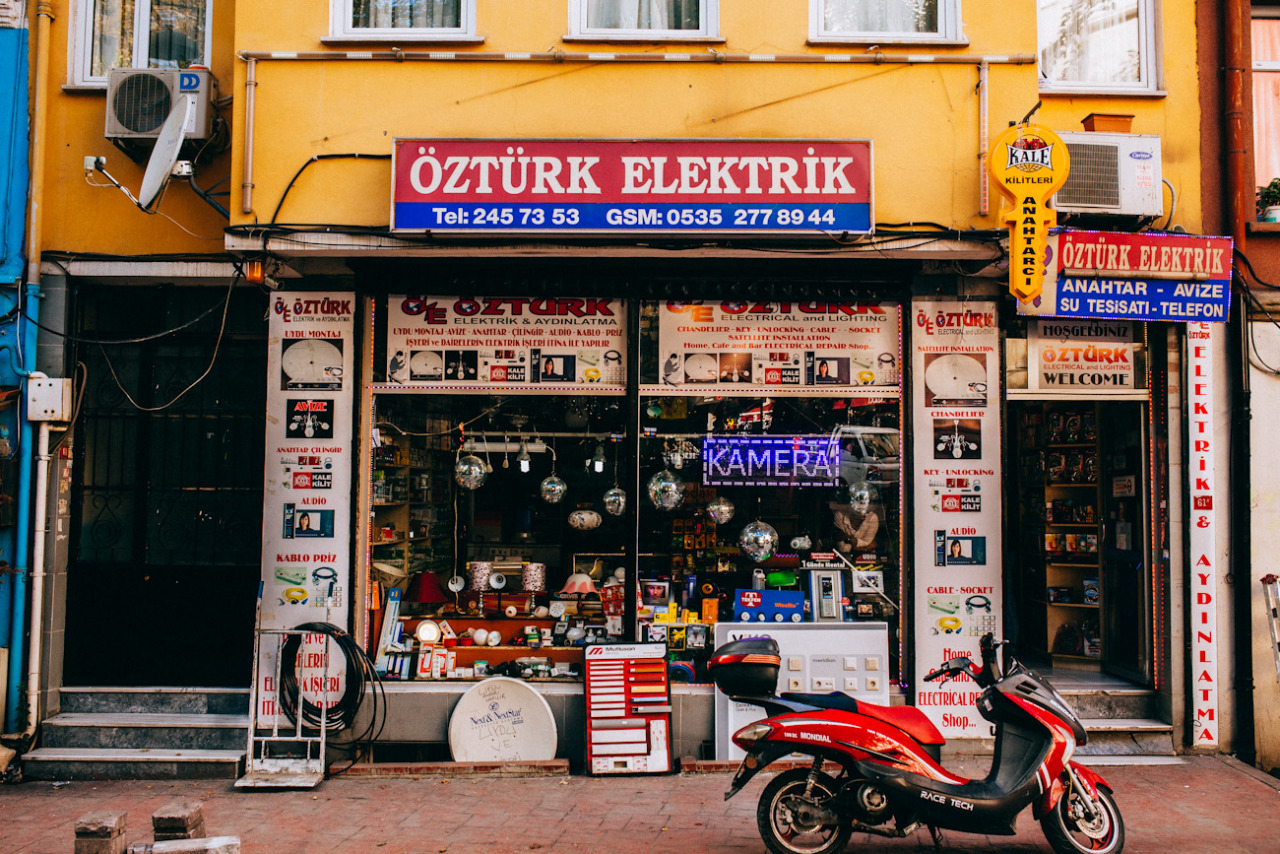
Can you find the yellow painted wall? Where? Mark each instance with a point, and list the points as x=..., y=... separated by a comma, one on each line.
x=81, y=218
x=922, y=118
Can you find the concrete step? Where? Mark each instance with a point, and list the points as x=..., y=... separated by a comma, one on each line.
x=163, y=700
x=1127, y=737
x=1111, y=702
x=75, y=763
x=146, y=730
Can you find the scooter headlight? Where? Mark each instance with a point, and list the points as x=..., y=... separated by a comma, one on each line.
x=750, y=734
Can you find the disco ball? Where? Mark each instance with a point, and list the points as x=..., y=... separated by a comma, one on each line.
x=666, y=490
x=553, y=489
x=759, y=540
x=720, y=509
x=860, y=496
x=615, y=502
x=470, y=472
x=584, y=520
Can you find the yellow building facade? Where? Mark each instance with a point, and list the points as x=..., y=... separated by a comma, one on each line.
x=994, y=497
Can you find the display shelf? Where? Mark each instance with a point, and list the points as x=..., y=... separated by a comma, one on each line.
x=1060, y=444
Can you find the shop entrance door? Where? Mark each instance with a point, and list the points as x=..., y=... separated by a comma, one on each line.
x=1124, y=550
x=166, y=501
x=1078, y=527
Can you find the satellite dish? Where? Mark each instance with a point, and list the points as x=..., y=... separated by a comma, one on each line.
x=165, y=154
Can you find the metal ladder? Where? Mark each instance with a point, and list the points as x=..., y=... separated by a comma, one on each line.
x=1271, y=589
x=272, y=760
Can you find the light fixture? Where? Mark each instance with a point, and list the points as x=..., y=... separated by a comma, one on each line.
x=523, y=457
x=597, y=461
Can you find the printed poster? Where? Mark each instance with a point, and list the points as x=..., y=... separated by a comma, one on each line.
x=306, y=536
x=955, y=409
x=520, y=343
x=758, y=348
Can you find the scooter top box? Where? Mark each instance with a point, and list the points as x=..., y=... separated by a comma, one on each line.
x=747, y=667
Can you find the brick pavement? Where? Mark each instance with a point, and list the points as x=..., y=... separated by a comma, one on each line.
x=1206, y=804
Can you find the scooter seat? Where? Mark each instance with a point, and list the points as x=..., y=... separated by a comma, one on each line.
x=909, y=719
x=834, y=700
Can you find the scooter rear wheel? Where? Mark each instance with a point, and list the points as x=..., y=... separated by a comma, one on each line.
x=1070, y=831
x=789, y=821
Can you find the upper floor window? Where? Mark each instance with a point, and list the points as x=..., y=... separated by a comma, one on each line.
x=643, y=19
x=1096, y=45
x=884, y=20
x=141, y=34
x=386, y=19
x=1265, y=38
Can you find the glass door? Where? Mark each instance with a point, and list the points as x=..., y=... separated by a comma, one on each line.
x=1125, y=592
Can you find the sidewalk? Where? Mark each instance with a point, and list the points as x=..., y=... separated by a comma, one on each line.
x=1203, y=804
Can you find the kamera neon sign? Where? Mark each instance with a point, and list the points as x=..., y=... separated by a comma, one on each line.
x=770, y=461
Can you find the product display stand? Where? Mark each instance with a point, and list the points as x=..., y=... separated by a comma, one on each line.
x=283, y=759
x=628, y=709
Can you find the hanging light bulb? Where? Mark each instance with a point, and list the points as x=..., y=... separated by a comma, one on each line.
x=523, y=457
x=597, y=461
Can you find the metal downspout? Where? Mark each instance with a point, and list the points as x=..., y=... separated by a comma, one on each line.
x=35, y=237
x=1236, y=64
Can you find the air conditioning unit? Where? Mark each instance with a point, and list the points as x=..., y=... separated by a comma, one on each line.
x=1112, y=174
x=140, y=99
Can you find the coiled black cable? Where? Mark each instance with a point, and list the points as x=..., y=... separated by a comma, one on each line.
x=341, y=714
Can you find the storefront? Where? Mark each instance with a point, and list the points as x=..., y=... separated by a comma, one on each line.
x=586, y=450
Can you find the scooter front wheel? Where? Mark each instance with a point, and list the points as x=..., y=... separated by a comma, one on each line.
x=796, y=819
x=1070, y=830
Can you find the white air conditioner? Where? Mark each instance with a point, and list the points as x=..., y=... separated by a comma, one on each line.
x=1115, y=174
x=140, y=99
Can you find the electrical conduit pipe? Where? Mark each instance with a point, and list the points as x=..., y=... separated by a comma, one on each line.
x=35, y=237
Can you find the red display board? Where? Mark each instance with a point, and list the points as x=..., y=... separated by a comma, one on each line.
x=628, y=709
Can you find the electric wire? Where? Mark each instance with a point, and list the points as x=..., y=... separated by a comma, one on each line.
x=341, y=713
x=212, y=359
x=350, y=156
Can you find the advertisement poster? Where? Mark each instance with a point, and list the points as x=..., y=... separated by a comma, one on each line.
x=754, y=348
x=955, y=410
x=508, y=343
x=647, y=186
x=1147, y=276
x=1080, y=355
x=306, y=528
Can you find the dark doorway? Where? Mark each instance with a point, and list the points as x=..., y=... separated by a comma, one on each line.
x=167, y=498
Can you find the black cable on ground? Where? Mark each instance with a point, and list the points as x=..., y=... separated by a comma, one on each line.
x=341, y=715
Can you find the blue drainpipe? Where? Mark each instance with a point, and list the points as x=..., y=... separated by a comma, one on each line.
x=21, y=560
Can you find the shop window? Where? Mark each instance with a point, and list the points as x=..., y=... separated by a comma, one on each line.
x=140, y=34
x=1266, y=95
x=885, y=20
x=643, y=19
x=397, y=19
x=1085, y=45
x=503, y=528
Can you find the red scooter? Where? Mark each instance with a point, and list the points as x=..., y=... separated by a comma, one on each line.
x=891, y=782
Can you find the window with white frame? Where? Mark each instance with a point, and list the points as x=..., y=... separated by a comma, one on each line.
x=643, y=19
x=884, y=20
x=1096, y=45
x=1265, y=38
x=398, y=19
x=141, y=34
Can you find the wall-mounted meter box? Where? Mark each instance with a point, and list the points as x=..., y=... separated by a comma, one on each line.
x=48, y=399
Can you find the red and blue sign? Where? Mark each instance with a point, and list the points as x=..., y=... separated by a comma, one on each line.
x=643, y=186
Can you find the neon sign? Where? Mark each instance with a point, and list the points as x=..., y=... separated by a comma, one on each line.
x=770, y=461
